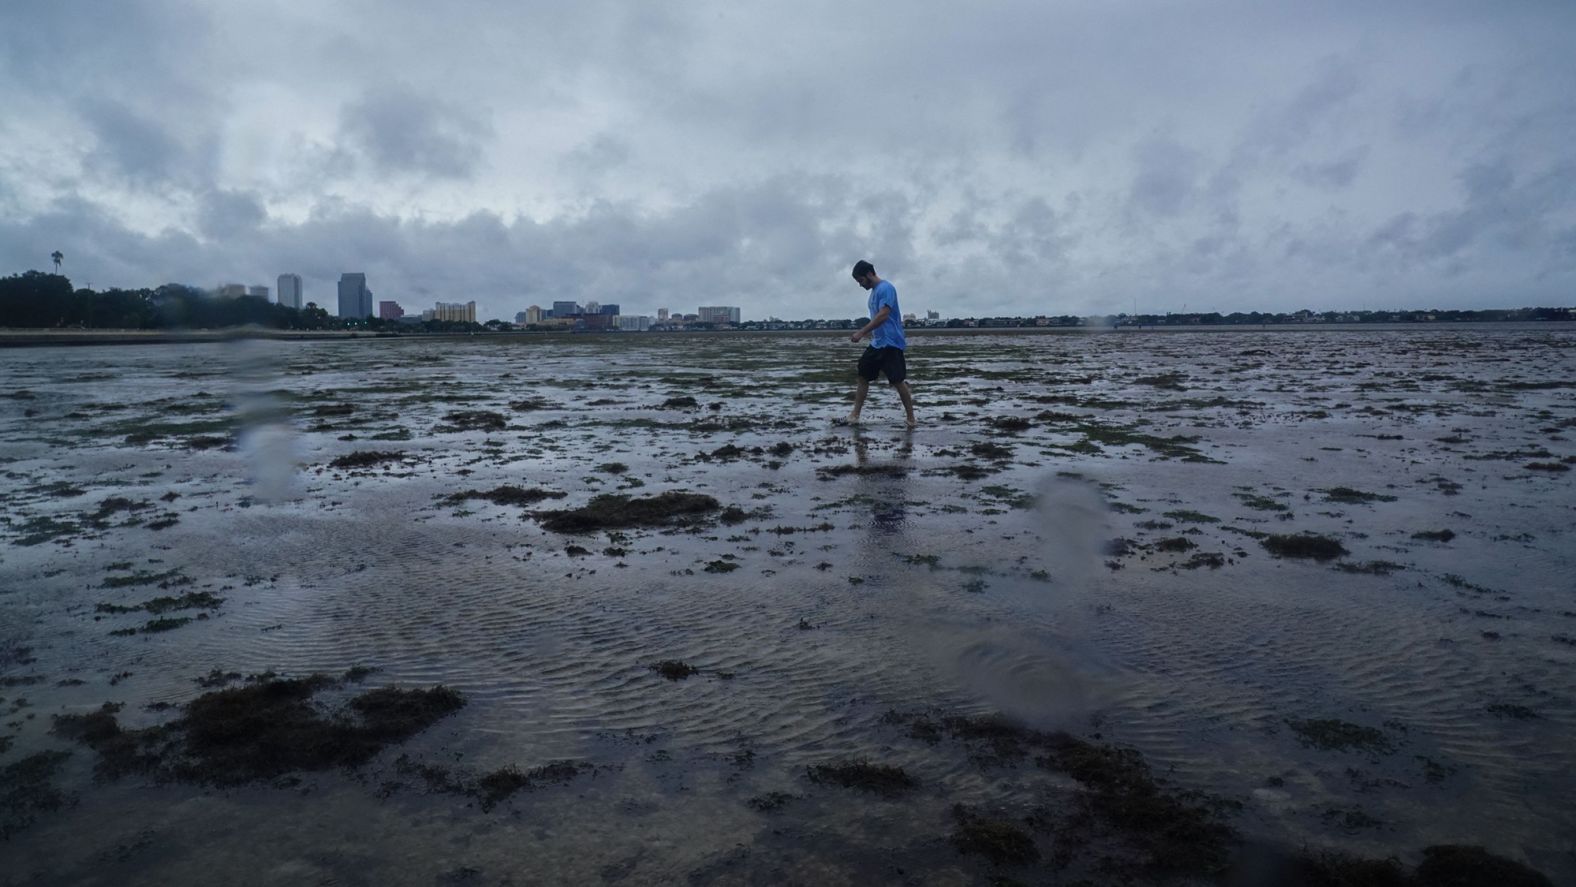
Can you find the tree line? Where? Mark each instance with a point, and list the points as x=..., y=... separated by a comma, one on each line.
x=36, y=300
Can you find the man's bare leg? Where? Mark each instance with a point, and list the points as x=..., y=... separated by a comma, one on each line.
x=908, y=402
x=859, y=401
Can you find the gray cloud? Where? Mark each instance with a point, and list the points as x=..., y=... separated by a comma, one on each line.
x=1020, y=158
x=402, y=131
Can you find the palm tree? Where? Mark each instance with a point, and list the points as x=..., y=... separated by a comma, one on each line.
x=57, y=255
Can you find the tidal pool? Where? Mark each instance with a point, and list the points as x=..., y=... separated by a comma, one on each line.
x=1144, y=607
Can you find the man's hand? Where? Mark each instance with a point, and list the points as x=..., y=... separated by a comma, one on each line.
x=856, y=337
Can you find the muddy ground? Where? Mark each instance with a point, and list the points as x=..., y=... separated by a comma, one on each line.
x=1213, y=607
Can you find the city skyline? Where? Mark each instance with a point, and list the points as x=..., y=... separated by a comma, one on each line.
x=1021, y=158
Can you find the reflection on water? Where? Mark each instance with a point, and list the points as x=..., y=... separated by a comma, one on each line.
x=1098, y=567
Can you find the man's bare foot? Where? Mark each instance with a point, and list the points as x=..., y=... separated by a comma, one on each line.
x=850, y=419
x=911, y=424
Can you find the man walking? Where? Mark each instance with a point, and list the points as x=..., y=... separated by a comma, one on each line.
x=885, y=352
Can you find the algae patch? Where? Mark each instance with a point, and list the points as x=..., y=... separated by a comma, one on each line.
x=260, y=731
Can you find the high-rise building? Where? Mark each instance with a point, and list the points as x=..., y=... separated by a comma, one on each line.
x=662, y=315
x=633, y=322
x=290, y=291
x=260, y=292
x=718, y=314
x=230, y=290
x=532, y=314
x=355, y=300
x=565, y=309
x=390, y=311
x=606, y=309
x=593, y=308
x=455, y=311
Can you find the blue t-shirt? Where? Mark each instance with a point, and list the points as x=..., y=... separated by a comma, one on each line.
x=890, y=333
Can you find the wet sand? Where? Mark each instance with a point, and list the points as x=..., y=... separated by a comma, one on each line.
x=1276, y=594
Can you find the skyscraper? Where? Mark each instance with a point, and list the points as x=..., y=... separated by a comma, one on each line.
x=355, y=300
x=290, y=291
x=719, y=314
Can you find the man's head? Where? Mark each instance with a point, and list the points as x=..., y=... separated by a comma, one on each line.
x=865, y=273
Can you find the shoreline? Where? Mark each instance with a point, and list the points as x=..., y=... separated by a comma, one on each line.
x=23, y=338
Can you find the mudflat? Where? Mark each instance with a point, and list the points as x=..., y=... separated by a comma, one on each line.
x=1241, y=607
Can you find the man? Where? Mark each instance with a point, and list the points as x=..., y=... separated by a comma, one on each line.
x=885, y=352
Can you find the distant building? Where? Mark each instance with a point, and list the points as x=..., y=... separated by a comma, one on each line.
x=355, y=300
x=932, y=315
x=260, y=292
x=565, y=309
x=230, y=291
x=390, y=311
x=290, y=291
x=662, y=315
x=455, y=311
x=532, y=314
x=718, y=314
x=593, y=308
x=611, y=310
x=637, y=323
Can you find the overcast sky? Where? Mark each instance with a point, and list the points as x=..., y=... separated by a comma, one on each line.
x=989, y=158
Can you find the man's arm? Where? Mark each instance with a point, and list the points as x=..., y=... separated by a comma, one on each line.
x=880, y=318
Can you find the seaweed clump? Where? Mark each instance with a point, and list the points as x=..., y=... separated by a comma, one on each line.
x=28, y=790
x=673, y=669
x=1310, y=545
x=507, y=494
x=366, y=459
x=473, y=420
x=999, y=840
x=1170, y=831
x=881, y=779
x=1458, y=865
x=260, y=731
x=612, y=511
x=1331, y=734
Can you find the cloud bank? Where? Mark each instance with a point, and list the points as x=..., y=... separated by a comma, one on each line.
x=1026, y=158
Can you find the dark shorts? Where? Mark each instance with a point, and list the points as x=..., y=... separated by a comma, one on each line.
x=883, y=360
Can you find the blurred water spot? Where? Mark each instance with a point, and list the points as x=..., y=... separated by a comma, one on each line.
x=264, y=435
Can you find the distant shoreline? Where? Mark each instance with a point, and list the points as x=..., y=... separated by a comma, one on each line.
x=23, y=338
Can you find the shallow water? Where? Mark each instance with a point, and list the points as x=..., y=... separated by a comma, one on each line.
x=916, y=589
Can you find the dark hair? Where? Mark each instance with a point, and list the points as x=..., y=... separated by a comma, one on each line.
x=862, y=267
